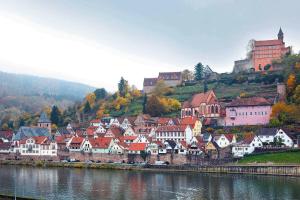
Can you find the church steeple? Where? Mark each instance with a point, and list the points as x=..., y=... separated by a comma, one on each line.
x=280, y=35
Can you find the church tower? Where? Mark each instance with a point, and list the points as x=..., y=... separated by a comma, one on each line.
x=44, y=122
x=280, y=35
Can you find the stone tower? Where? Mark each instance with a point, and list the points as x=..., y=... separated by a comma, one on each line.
x=44, y=122
x=280, y=35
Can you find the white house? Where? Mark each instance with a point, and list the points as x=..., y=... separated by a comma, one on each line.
x=38, y=146
x=221, y=140
x=284, y=138
x=129, y=132
x=141, y=138
x=176, y=133
x=247, y=146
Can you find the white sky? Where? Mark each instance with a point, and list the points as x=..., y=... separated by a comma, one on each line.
x=33, y=49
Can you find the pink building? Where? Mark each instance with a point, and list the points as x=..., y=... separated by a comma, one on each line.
x=248, y=111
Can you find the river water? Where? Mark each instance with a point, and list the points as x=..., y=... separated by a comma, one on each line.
x=68, y=183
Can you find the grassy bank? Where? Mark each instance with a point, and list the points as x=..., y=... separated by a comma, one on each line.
x=292, y=157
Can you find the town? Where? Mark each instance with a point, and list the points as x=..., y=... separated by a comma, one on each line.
x=203, y=133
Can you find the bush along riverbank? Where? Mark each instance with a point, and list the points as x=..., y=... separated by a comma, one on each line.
x=258, y=169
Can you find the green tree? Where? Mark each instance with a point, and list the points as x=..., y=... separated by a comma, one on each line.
x=205, y=87
x=87, y=107
x=144, y=155
x=123, y=87
x=55, y=115
x=145, y=99
x=161, y=89
x=199, y=72
x=100, y=93
x=154, y=106
x=267, y=67
x=296, y=96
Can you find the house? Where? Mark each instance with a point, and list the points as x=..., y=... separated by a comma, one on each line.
x=283, y=137
x=5, y=147
x=38, y=146
x=128, y=139
x=231, y=138
x=137, y=148
x=6, y=136
x=273, y=135
x=97, y=145
x=113, y=132
x=118, y=147
x=194, y=123
x=100, y=130
x=141, y=139
x=248, y=111
x=166, y=121
x=129, y=132
x=153, y=148
x=181, y=148
x=96, y=122
x=212, y=150
x=246, y=146
x=75, y=143
x=171, y=79
x=221, y=140
x=62, y=142
x=201, y=105
x=127, y=122
x=175, y=133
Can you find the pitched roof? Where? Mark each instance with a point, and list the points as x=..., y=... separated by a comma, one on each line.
x=170, y=75
x=267, y=42
x=200, y=98
x=171, y=128
x=26, y=132
x=267, y=131
x=37, y=139
x=229, y=136
x=150, y=81
x=251, y=101
x=100, y=143
x=189, y=121
x=137, y=146
x=6, y=134
x=43, y=118
x=77, y=140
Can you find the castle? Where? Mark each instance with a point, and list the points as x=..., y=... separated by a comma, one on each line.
x=262, y=53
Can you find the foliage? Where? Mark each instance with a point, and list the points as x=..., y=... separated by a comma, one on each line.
x=199, y=71
x=267, y=67
x=187, y=75
x=296, y=96
x=161, y=89
x=54, y=127
x=91, y=98
x=275, y=122
x=100, y=93
x=87, y=107
x=144, y=155
x=158, y=106
x=123, y=87
x=55, y=115
x=291, y=83
x=285, y=113
x=145, y=99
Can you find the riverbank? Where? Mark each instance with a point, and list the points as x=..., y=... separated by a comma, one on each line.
x=254, y=168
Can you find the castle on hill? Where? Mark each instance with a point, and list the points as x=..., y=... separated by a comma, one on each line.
x=262, y=53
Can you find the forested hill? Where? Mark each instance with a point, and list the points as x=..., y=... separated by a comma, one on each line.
x=26, y=85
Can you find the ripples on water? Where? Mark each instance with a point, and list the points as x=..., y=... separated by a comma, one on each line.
x=64, y=183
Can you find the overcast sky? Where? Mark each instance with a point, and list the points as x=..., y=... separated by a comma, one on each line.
x=97, y=42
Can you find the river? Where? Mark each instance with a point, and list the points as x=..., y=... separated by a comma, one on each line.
x=70, y=183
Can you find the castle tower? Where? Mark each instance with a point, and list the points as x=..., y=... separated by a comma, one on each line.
x=44, y=122
x=280, y=35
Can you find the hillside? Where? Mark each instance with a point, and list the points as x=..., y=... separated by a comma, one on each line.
x=25, y=93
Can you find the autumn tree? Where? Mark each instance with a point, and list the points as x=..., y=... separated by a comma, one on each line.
x=296, y=96
x=199, y=71
x=91, y=98
x=135, y=93
x=187, y=75
x=291, y=83
x=161, y=89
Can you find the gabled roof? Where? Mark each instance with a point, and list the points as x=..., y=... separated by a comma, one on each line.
x=267, y=131
x=37, y=139
x=251, y=101
x=43, y=118
x=173, y=128
x=77, y=140
x=229, y=136
x=150, y=81
x=208, y=97
x=169, y=75
x=189, y=121
x=100, y=143
x=26, y=132
x=137, y=146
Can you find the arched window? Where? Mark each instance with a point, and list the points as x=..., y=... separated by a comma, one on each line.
x=217, y=109
x=212, y=109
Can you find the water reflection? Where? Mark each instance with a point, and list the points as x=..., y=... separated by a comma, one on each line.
x=60, y=183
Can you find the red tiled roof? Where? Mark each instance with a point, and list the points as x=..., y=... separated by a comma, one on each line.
x=200, y=98
x=127, y=137
x=101, y=142
x=37, y=139
x=137, y=146
x=229, y=137
x=189, y=121
x=173, y=128
x=251, y=101
x=248, y=138
x=90, y=130
x=77, y=140
x=267, y=42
